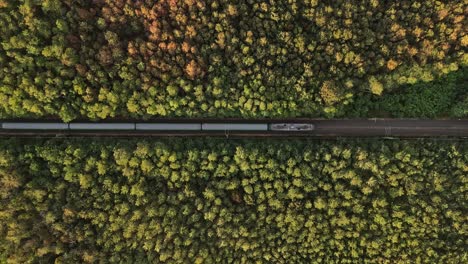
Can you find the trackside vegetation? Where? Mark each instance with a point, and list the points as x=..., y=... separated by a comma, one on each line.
x=211, y=58
x=218, y=201
x=444, y=97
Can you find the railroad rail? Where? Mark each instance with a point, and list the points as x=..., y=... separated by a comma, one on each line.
x=240, y=128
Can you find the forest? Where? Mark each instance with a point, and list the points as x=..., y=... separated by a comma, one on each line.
x=99, y=59
x=237, y=201
x=195, y=200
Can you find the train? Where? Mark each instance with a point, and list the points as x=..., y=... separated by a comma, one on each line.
x=143, y=126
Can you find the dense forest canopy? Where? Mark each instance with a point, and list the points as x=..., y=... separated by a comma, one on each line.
x=249, y=58
x=237, y=201
x=218, y=201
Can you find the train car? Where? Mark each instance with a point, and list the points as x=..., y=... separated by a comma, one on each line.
x=168, y=126
x=234, y=127
x=33, y=126
x=291, y=127
x=102, y=126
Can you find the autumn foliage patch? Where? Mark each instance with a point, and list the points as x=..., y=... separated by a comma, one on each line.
x=247, y=58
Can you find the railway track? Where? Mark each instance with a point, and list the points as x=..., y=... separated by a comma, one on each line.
x=314, y=128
